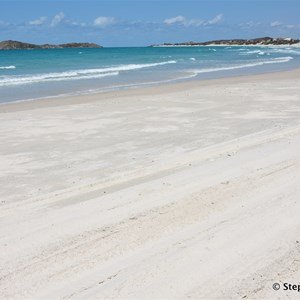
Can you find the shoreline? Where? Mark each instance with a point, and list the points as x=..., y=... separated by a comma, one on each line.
x=186, y=190
x=86, y=78
x=152, y=89
x=230, y=45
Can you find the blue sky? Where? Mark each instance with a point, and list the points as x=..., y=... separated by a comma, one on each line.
x=145, y=22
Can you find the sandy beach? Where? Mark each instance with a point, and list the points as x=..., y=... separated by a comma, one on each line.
x=187, y=190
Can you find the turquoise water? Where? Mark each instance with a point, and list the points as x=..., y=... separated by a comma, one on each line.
x=30, y=74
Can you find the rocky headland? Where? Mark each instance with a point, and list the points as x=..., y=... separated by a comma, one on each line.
x=14, y=45
x=265, y=41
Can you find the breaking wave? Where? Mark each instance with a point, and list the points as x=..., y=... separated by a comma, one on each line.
x=7, y=67
x=248, y=65
x=76, y=74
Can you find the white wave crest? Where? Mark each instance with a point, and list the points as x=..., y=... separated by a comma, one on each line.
x=285, y=51
x=7, y=67
x=8, y=81
x=76, y=74
x=259, y=52
x=124, y=67
x=276, y=60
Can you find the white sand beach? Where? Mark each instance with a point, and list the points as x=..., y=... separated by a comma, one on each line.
x=188, y=190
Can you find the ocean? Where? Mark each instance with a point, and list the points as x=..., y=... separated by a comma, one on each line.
x=44, y=73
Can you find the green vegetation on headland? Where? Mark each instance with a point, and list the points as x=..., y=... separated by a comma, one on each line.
x=265, y=41
x=11, y=45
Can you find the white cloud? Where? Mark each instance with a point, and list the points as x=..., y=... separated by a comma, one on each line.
x=183, y=21
x=104, y=21
x=39, y=21
x=291, y=26
x=57, y=19
x=4, y=23
x=217, y=19
x=193, y=22
x=275, y=24
x=249, y=25
x=178, y=19
x=281, y=26
x=74, y=23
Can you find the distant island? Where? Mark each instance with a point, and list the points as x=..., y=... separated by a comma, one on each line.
x=15, y=45
x=265, y=41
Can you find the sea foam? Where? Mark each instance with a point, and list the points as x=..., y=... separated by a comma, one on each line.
x=7, y=67
x=242, y=66
x=76, y=74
